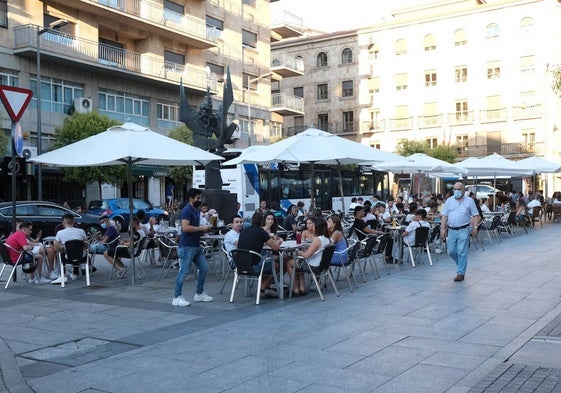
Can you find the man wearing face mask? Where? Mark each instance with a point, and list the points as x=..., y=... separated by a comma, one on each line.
x=108, y=240
x=459, y=220
x=190, y=249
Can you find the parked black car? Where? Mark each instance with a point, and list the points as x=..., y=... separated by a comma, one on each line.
x=45, y=216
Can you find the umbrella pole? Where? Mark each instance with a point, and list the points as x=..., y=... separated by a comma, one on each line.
x=341, y=187
x=312, y=189
x=131, y=211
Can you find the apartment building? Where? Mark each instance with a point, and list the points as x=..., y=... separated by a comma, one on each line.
x=124, y=59
x=471, y=74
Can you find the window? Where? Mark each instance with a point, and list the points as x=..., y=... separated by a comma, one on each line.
x=462, y=140
x=348, y=121
x=462, y=113
x=493, y=69
x=430, y=78
x=529, y=137
x=298, y=91
x=431, y=142
x=323, y=121
x=347, y=87
x=400, y=47
x=430, y=117
x=401, y=82
x=527, y=65
x=429, y=43
x=460, y=38
x=461, y=74
x=374, y=85
x=249, y=2
x=57, y=95
x=492, y=32
x=7, y=78
x=245, y=81
x=373, y=51
x=249, y=39
x=401, y=117
x=376, y=145
x=167, y=112
x=527, y=26
x=217, y=70
x=347, y=56
x=322, y=92
x=322, y=59
x=4, y=13
x=214, y=27
x=174, y=61
x=173, y=11
x=123, y=106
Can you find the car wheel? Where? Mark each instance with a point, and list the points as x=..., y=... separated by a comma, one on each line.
x=119, y=223
x=94, y=232
x=163, y=217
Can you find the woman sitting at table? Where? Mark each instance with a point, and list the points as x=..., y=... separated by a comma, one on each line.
x=341, y=255
x=270, y=226
x=308, y=234
x=521, y=213
x=319, y=242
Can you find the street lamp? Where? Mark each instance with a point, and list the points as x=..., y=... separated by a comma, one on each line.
x=41, y=31
x=250, y=81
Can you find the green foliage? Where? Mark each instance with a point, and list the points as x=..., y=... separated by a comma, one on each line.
x=445, y=153
x=181, y=174
x=557, y=81
x=81, y=126
x=4, y=140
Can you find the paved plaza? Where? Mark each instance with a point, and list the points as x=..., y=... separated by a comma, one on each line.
x=414, y=330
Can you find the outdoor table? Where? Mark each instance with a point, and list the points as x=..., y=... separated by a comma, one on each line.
x=210, y=239
x=286, y=246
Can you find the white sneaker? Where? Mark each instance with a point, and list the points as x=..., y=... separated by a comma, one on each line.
x=32, y=281
x=42, y=280
x=53, y=275
x=203, y=297
x=72, y=276
x=59, y=279
x=180, y=301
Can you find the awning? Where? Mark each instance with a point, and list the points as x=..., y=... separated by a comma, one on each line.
x=147, y=170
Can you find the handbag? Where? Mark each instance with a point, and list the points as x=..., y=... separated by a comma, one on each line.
x=29, y=263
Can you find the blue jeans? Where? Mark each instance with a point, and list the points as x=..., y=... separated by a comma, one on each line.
x=98, y=248
x=186, y=256
x=457, y=245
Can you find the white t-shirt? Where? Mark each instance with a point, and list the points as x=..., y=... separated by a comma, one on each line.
x=315, y=259
x=533, y=203
x=231, y=240
x=71, y=233
x=411, y=228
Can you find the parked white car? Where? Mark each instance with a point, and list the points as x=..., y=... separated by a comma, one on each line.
x=482, y=190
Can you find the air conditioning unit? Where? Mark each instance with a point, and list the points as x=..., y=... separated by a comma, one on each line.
x=83, y=105
x=29, y=152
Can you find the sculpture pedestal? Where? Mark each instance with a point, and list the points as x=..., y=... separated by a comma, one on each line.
x=224, y=202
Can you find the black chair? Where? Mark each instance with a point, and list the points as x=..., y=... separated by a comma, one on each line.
x=75, y=253
x=317, y=272
x=421, y=243
x=347, y=266
x=380, y=251
x=245, y=262
x=168, y=253
x=123, y=251
x=364, y=255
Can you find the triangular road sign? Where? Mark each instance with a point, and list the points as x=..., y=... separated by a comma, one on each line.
x=15, y=100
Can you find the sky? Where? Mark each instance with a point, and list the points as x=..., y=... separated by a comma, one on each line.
x=333, y=15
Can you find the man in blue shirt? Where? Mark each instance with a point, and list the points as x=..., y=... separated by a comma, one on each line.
x=190, y=250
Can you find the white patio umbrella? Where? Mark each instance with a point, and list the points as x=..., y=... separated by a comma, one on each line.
x=541, y=165
x=315, y=147
x=419, y=163
x=128, y=144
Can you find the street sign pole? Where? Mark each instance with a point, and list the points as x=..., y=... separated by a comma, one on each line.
x=14, y=184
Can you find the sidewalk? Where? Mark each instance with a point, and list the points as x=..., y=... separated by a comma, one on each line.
x=414, y=330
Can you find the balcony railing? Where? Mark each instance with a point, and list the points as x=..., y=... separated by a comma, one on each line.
x=372, y=126
x=282, y=17
x=290, y=131
x=506, y=149
x=430, y=121
x=283, y=60
x=344, y=127
x=489, y=115
x=462, y=117
x=156, y=13
x=94, y=53
x=526, y=111
x=403, y=123
x=287, y=101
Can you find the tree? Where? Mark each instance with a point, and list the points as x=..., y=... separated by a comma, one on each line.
x=81, y=126
x=181, y=174
x=4, y=140
x=445, y=153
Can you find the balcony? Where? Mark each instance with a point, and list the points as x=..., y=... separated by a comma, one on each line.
x=286, y=66
x=290, y=131
x=344, y=128
x=527, y=112
x=509, y=150
x=461, y=117
x=492, y=115
x=287, y=104
x=286, y=24
x=430, y=121
x=64, y=48
x=371, y=126
x=400, y=124
x=152, y=18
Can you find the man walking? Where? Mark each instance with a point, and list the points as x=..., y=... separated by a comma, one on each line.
x=459, y=220
x=190, y=249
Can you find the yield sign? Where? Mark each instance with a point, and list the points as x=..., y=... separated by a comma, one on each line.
x=15, y=100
